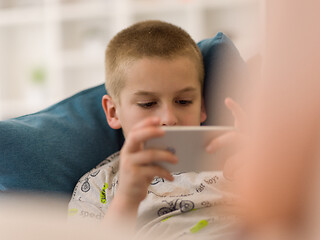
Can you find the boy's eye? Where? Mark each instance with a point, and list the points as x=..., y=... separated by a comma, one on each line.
x=184, y=102
x=147, y=104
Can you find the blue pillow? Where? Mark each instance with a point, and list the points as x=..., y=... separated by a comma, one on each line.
x=51, y=149
x=226, y=75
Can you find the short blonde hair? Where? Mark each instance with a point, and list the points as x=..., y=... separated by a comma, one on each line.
x=147, y=39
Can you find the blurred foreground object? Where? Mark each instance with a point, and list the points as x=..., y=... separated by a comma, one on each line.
x=277, y=178
x=43, y=217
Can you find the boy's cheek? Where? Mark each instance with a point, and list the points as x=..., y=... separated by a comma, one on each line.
x=194, y=117
x=191, y=120
x=130, y=119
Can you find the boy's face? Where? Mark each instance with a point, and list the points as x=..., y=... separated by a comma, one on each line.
x=157, y=87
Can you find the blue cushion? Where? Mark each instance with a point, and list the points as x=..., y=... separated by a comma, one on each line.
x=226, y=75
x=51, y=149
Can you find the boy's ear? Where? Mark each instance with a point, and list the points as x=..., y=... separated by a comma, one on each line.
x=110, y=110
x=203, y=114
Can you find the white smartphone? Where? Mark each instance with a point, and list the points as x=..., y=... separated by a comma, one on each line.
x=189, y=143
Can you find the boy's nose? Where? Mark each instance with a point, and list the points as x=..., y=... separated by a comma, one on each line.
x=168, y=117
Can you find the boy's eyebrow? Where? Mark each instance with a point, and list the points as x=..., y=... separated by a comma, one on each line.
x=146, y=93
x=187, y=89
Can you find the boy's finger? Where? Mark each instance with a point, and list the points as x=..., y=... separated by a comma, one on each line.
x=231, y=166
x=151, y=171
x=151, y=156
x=151, y=121
x=136, y=138
x=236, y=110
x=227, y=139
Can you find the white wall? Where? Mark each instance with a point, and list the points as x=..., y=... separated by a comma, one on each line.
x=66, y=40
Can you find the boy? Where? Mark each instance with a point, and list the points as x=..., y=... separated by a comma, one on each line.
x=154, y=77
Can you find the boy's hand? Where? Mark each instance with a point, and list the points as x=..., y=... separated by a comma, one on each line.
x=234, y=139
x=138, y=166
